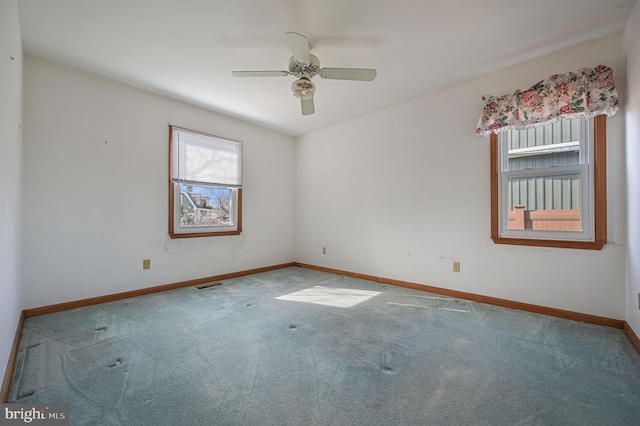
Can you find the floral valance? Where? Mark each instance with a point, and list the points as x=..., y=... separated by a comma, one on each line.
x=582, y=94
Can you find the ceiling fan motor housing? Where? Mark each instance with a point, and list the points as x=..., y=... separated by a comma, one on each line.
x=300, y=69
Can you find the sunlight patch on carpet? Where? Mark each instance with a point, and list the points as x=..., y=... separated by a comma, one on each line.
x=429, y=307
x=330, y=296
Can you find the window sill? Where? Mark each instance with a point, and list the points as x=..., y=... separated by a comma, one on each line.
x=174, y=235
x=584, y=245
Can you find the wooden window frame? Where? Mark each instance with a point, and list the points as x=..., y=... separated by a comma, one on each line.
x=599, y=197
x=173, y=233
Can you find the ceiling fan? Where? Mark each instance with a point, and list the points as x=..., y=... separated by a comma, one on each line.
x=305, y=66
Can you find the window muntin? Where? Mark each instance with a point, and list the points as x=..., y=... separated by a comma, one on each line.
x=561, y=163
x=205, y=185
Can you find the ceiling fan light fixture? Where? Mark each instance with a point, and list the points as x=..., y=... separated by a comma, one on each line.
x=303, y=88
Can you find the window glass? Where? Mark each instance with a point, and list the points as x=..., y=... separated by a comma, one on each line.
x=205, y=206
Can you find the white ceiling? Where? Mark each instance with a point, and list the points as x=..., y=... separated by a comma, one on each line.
x=187, y=49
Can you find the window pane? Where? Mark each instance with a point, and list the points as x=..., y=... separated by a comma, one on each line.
x=205, y=206
x=553, y=145
x=550, y=202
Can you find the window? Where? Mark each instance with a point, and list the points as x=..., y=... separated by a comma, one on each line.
x=205, y=188
x=548, y=185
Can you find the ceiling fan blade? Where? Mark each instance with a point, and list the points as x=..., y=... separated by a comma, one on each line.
x=260, y=73
x=359, y=74
x=307, y=106
x=299, y=45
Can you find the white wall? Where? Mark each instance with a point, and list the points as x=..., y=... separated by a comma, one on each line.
x=96, y=190
x=403, y=192
x=10, y=176
x=400, y=193
x=632, y=47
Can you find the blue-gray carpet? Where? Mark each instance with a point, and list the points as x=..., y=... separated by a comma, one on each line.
x=301, y=347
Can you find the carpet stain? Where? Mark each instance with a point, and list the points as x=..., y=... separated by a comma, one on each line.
x=116, y=363
x=208, y=285
x=26, y=394
x=385, y=362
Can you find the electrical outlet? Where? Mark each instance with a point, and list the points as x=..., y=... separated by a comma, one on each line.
x=146, y=264
x=456, y=266
x=324, y=250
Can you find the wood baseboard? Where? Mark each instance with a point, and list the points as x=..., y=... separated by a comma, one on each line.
x=6, y=382
x=633, y=337
x=560, y=313
x=143, y=291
